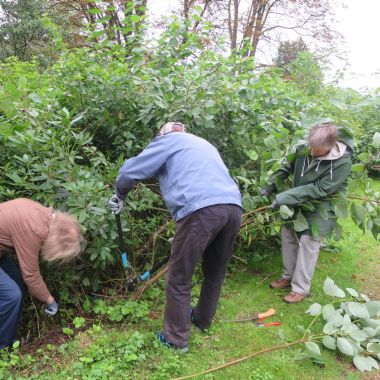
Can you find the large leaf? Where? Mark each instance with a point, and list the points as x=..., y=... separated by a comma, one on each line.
x=358, y=335
x=300, y=223
x=286, y=212
x=329, y=342
x=345, y=346
x=327, y=311
x=352, y=292
x=313, y=349
x=373, y=308
x=314, y=309
x=365, y=363
x=358, y=309
x=376, y=140
x=331, y=289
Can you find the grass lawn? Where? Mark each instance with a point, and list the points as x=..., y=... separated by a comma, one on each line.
x=129, y=351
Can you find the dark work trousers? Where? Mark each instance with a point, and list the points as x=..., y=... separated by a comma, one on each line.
x=209, y=233
x=11, y=292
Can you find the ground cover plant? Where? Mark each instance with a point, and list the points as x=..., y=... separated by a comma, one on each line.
x=66, y=128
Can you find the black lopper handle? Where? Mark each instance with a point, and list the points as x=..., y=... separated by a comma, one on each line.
x=122, y=246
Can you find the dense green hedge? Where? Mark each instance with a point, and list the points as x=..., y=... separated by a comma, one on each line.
x=66, y=129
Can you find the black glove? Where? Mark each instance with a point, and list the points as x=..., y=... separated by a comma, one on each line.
x=51, y=308
x=274, y=205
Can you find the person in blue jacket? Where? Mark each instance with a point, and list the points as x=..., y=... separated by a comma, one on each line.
x=206, y=204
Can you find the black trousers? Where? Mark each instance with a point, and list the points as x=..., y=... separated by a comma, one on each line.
x=208, y=233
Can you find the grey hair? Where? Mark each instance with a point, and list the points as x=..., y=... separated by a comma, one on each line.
x=323, y=136
x=64, y=240
x=171, y=126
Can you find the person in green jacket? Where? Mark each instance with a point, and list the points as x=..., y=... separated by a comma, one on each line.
x=320, y=170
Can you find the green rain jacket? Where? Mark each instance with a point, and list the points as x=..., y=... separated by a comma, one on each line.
x=316, y=180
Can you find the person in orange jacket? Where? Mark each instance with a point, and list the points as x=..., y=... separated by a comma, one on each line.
x=30, y=229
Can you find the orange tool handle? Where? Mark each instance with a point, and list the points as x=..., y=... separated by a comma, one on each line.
x=268, y=324
x=267, y=314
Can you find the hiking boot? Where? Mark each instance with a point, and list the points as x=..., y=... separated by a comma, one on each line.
x=281, y=283
x=162, y=339
x=294, y=297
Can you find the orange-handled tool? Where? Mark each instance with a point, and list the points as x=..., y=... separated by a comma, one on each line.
x=259, y=316
x=260, y=324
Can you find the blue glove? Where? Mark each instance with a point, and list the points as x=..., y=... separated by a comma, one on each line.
x=51, y=309
x=115, y=204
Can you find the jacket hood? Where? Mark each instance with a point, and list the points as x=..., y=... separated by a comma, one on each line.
x=345, y=136
x=336, y=152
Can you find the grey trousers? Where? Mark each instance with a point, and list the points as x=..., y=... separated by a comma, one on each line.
x=208, y=233
x=299, y=258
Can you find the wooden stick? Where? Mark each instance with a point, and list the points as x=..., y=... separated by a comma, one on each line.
x=141, y=290
x=233, y=362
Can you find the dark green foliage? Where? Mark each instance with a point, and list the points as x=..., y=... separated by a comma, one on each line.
x=65, y=130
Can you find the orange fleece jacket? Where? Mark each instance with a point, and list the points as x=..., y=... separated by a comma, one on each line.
x=24, y=226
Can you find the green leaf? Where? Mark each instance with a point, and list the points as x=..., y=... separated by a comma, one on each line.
x=313, y=348
x=300, y=223
x=328, y=311
x=374, y=347
x=286, y=212
x=302, y=356
x=358, y=309
x=68, y=331
x=376, y=140
x=314, y=309
x=270, y=142
x=357, y=168
x=331, y=289
x=352, y=292
x=94, y=11
x=373, y=308
x=358, y=213
x=329, y=342
x=365, y=363
x=329, y=328
x=358, y=335
x=251, y=154
x=344, y=346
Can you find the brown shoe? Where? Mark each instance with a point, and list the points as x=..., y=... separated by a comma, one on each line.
x=293, y=297
x=281, y=283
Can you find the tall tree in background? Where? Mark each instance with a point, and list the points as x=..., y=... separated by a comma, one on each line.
x=21, y=31
x=253, y=21
x=288, y=52
x=119, y=20
x=249, y=24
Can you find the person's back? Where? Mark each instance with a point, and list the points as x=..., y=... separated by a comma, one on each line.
x=191, y=173
x=194, y=175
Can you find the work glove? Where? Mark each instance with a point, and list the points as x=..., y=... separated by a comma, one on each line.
x=51, y=308
x=264, y=192
x=268, y=190
x=115, y=204
x=274, y=205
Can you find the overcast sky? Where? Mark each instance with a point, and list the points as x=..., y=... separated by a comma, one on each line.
x=358, y=22
x=360, y=25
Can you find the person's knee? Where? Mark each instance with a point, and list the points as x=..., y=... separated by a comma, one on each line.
x=14, y=296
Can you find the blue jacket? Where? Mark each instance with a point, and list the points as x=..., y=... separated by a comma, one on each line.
x=191, y=173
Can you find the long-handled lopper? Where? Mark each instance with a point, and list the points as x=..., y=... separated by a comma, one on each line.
x=259, y=316
x=123, y=249
x=133, y=280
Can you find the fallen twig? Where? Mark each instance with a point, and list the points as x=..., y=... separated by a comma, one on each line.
x=236, y=361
